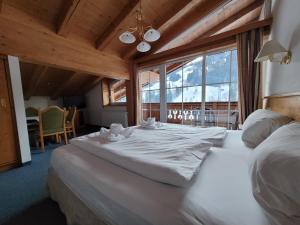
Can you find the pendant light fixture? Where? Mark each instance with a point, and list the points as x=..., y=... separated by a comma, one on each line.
x=144, y=34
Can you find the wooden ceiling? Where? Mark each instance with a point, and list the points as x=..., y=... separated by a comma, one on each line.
x=40, y=80
x=82, y=35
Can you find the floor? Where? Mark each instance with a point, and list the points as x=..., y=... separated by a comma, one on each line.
x=24, y=198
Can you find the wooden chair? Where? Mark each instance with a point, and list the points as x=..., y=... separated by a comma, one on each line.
x=70, y=121
x=52, y=123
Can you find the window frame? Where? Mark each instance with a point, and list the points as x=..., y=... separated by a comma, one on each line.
x=107, y=97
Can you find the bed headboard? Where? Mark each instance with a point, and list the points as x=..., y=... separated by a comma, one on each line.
x=285, y=104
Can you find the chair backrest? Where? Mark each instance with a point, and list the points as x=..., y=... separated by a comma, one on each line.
x=30, y=111
x=71, y=114
x=52, y=119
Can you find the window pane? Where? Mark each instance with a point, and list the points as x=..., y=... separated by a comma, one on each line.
x=218, y=68
x=154, y=82
x=234, y=92
x=174, y=95
x=192, y=72
x=145, y=97
x=174, y=79
x=154, y=96
x=217, y=93
x=192, y=94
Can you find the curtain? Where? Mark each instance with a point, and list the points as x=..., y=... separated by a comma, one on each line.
x=250, y=90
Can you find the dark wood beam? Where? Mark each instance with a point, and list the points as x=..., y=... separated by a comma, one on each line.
x=131, y=97
x=36, y=78
x=199, y=12
x=47, y=48
x=204, y=44
x=129, y=52
x=67, y=16
x=64, y=84
x=254, y=5
x=91, y=84
x=1, y=5
x=116, y=25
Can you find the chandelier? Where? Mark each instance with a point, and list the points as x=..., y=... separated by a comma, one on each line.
x=145, y=34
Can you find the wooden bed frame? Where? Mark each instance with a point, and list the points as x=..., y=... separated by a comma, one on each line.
x=285, y=104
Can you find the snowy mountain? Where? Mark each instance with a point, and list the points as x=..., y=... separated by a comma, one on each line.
x=184, y=84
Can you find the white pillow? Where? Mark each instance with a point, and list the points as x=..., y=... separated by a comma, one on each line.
x=275, y=175
x=260, y=124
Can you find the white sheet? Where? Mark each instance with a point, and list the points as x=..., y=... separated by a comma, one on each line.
x=215, y=135
x=219, y=195
x=157, y=155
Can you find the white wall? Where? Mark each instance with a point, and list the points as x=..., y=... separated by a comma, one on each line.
x=96, y=114
x=42, y=102
x=15, y=75
x=286, y=30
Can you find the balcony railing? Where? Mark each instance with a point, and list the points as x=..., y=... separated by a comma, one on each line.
x=222, y=114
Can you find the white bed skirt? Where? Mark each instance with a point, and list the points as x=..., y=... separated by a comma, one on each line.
x=77, y=213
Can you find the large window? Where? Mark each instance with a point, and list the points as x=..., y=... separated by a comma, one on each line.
x=202, y=91
x=150, y=93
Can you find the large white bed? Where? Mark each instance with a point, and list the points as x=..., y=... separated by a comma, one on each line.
x=91, y=190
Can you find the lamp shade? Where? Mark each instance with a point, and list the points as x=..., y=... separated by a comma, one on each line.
x=272, y=51
x=143, y=47
x=127, y=38
x=151, y=35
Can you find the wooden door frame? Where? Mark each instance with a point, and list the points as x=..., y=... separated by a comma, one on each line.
x=13, y=112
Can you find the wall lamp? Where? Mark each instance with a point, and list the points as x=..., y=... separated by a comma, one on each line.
x=274, y=52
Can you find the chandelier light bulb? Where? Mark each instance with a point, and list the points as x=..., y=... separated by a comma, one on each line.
x=151, y=35
x=127, y=38
x=143, y=47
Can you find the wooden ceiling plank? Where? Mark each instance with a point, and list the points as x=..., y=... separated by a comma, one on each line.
x=91, y=84
x=36, y=78
x=254, y=5
x=199, y=12
x=47, y=48
x=116, y=25
x=166, y=17
x=204, y=43
x=64, y=84
x=68, y=15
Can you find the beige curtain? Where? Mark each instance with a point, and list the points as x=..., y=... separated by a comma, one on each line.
x=250, y=90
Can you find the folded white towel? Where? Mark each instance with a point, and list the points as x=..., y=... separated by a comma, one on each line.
x=149, y=124
x=127, y=132
x=116, y=128
x=115, y=133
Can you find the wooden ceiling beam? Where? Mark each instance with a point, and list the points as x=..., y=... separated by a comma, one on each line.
x=68, y=15
x=199, y=12
x=116, y=25
x=47, y=48
x=254, y=5
x=36, y=78
x=204, y=44
x=91, y=84
x=159, y=24
x=64, y=84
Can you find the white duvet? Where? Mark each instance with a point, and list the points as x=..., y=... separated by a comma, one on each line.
x=220, y=194
x=160, y=155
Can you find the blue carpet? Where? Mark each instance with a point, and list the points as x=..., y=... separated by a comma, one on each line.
x=24, y=198
x=23, y=187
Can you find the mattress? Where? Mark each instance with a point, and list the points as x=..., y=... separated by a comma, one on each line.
x=220, y=194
